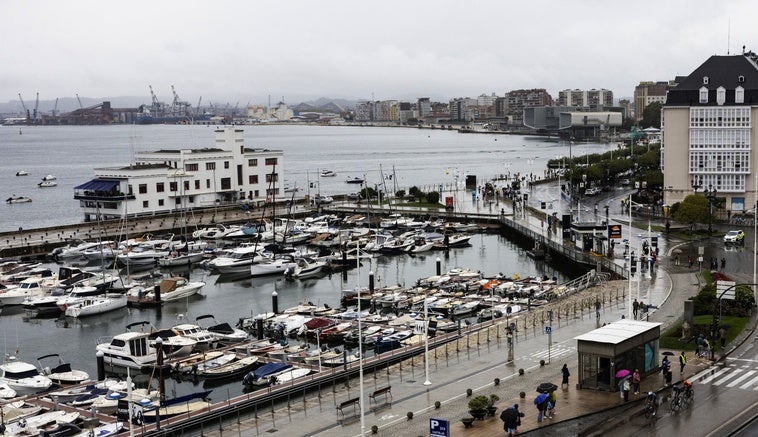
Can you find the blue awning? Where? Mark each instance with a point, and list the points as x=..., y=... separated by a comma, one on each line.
x=98, y=185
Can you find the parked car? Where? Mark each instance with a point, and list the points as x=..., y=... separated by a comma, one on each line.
x=736, y=236
x=591, y=191
x=625, y=182
x=354, y=197
x=323, y=200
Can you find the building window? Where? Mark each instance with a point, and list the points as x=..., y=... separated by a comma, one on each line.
x=226, y=164
x=160, y=187
x=252, y=162
x=186, y=185
x=191, y=199
x=191, y=167
x=270, y=177
x=145, y=204
x=739, y=94
x=271, y=161
x=142, y=188
x=703, y=95
x=226, y=183
x=720, y=95
x=252, y=179
x=173, y=187
x=705, y=80
x=207, y=183
x=210, y=165
x=741, y=79
x=257, y=193
x=160, y=202
x=197, y=184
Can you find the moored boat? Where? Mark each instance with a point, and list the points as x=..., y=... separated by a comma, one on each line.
x=23, y=377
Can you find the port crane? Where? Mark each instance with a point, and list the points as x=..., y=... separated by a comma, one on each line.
x=23, y=105
x=36, y=106
x=55, y=109
x=80, y=101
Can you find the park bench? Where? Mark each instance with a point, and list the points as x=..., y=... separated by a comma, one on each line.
x=350, y=402
x=386, y=391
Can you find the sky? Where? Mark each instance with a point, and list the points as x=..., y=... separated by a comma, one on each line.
x=304, y=49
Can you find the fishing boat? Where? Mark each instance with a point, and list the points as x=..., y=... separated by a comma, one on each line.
x=240, y=366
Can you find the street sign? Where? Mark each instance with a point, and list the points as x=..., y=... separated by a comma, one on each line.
x=439, y=427
x=726, y=289
x=548, y=329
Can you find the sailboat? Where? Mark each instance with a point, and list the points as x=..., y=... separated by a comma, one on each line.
x=276, y=265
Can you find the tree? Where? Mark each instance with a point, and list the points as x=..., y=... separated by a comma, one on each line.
x=693, y=209
x=433, y=197
x=651, y=115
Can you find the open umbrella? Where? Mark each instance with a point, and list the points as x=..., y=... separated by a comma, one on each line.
x=677, y=250
x=540, y=398
x=622, y=373
x=669, y=353
x=546, y=387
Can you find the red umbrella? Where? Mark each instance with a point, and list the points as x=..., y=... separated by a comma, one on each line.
x=622, y=373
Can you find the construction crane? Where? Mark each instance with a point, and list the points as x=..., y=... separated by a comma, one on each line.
x=55, y=109
x=80, y=102
x=36, y=106
x=197, y=111
x=23, y=105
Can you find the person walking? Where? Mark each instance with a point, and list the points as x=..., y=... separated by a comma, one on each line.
x=566, y=374
x=682, y=362
x=551, y=400
x=664, y=366
x=541, y=410
x=699, y=343
x=723, y=264
x=511, y=418
x=625, y=388
x=597, y=309
x=689, y=261
x=635, y=308
x=636, y=381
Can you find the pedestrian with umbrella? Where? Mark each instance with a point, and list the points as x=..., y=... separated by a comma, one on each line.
x=541, y=402
x=623, y=375
x=511, y=418
x=549, y=388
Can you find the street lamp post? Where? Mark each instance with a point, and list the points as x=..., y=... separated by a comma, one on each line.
x=426, y=342
x=710, y=194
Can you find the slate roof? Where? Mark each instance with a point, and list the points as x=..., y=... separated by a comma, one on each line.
x=721, y=71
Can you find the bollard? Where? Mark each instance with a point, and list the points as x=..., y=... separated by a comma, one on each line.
x=275, y=302
x=259, y=328
x=439, y=266
x=100, y=365
x=370, y=283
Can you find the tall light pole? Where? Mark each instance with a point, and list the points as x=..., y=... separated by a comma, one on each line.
x=710, y=194
x=426, y=342
x=360, y=343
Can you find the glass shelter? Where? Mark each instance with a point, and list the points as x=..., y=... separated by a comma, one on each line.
x=625, y=344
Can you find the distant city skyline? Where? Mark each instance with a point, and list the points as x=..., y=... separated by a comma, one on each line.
x=299, y=50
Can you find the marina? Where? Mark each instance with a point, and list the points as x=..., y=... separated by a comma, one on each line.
x=480, y=256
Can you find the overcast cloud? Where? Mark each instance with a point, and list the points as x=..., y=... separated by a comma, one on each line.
x=357, y=49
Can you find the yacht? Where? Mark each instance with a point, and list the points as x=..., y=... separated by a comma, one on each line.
x=129, y=350
x=97, y=305
x=61, y=373
x=167, y=290
x=23, y=377
x=238, y=261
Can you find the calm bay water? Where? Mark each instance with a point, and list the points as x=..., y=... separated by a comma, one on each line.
x=419, y=157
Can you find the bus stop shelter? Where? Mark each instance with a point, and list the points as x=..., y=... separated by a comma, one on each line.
x=622, y=345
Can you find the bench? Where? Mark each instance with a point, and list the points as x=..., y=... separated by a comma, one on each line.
x=347, y=403
x=386, y=391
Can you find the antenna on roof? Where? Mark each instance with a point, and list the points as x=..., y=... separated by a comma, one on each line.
x=728, y=34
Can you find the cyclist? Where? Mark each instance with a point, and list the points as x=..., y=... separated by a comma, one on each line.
x=652, y=401
x=688, y=390
x=676, y=400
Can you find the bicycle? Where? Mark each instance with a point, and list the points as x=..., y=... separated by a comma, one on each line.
x=676, y=404
x=649, y=410
x=688, y=396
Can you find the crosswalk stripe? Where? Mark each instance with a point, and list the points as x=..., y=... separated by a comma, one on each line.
x=726, y=378
x=748, y=384
x=715, y=375
x=741, y=378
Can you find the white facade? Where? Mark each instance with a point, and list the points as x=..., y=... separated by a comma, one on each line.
x=166, y=181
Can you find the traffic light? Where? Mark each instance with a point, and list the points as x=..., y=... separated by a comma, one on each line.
x=633, y=265
x=654, y=241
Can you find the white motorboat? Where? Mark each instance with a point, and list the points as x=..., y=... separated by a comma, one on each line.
x=97, y=305
x=40, y=423
x=306, y=268
x=18, y=199
x=238, y=261
x=174, y=345
x=61, y=373
x=29, y=288
x=224, y=332
x=77, y=295
x=175, y=259
x=23, y=377
x=288, y=375
x=236, y=367
x=169, y=289
x=217, y=232
x=142, y=255
x=205, y=340
x=22, y=173
x=328, y=173
x=275, y=266
x=76, y=249
x=129, y=350
x=47, y=184
x=6, y=392
x=49, y=178
x=420, y=244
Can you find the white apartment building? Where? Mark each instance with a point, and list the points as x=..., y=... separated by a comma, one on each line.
x=166, y=181
x=708, y=135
